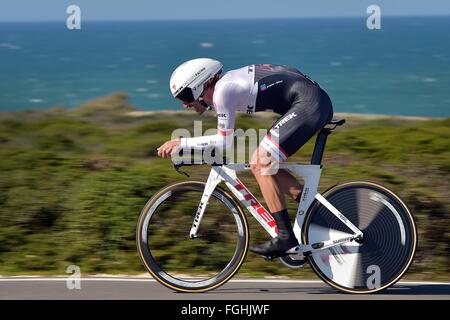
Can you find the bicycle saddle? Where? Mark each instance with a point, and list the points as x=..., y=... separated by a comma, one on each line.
x=337, y=122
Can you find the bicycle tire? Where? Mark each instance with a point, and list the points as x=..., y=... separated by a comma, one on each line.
x=351, y=267
x=154, y=267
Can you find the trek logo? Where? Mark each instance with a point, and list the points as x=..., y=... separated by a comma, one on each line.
x=266, y=216
x=197, y=215
x=284, y=120
x=222, y=115
x=275, y=133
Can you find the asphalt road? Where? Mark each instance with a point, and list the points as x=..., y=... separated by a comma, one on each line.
x=106, y=288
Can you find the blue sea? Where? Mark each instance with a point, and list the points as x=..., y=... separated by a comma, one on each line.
x=402, y=69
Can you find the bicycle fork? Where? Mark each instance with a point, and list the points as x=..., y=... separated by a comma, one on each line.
x=213, y=181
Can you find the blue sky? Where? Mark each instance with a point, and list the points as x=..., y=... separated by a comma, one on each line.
x=54, y=10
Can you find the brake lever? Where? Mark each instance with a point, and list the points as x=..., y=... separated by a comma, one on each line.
x=177, y=169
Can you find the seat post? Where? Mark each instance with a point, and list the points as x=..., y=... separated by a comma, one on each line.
x=319, y=147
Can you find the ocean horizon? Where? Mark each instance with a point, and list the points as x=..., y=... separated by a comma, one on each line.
x=402, y=69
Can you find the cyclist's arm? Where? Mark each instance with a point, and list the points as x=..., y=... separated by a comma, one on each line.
x=226, y=98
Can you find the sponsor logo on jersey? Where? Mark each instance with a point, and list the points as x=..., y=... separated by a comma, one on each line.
x=264, y=87
x=251, y=69
x=221, y=125
x=284, y=120
x=222, y=115
x=250, y=109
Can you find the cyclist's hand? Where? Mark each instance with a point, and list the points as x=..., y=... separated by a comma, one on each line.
x=168, y=147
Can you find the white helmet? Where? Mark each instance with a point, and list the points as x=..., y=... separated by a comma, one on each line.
x=187, y=81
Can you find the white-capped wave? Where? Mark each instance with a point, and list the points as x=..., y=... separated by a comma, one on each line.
x=206, y=44
x=429, y=80
x=141, y=89
x=151, y=81
x=9, y=46
x=153, y=95
x=335, y=63
x=439, y=56
x=36, y=100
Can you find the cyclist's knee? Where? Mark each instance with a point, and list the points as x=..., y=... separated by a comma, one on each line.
x=262, y=162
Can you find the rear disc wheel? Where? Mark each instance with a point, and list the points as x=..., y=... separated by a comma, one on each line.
x=389, y=238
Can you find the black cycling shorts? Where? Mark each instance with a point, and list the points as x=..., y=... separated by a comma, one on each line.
x=310, y=112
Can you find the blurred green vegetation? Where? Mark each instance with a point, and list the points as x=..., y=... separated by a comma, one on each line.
x=73, y=182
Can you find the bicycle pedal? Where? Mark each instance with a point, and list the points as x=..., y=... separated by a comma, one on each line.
x=268, y=258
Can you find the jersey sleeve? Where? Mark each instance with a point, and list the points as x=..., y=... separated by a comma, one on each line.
x=227, y=96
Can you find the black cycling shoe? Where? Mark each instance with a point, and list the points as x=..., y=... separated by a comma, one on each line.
x=274, y=248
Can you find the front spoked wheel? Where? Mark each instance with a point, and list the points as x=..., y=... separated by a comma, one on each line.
x=182, y=263
x=386, y=250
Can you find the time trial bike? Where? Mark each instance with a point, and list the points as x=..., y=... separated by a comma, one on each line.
x=358, y=236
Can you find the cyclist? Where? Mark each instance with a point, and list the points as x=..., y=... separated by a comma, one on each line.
x=304, y=106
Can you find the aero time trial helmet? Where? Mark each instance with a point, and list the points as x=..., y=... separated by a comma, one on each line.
x=188, y=80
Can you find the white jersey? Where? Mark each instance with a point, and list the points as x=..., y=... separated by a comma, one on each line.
x=248, y=89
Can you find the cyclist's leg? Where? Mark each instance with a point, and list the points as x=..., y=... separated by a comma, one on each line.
x=289, y=184
x=274, y=186
x=298, y=125
x=262, y=165
x=264, y=168
x=309, y=113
